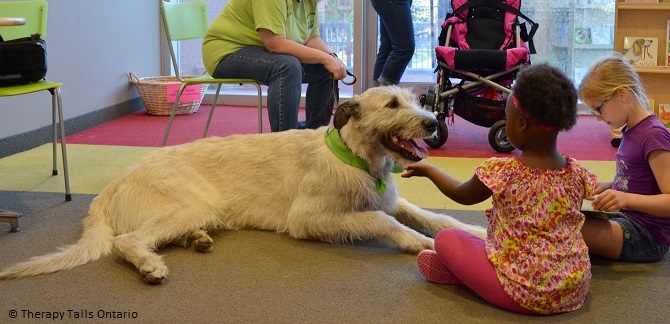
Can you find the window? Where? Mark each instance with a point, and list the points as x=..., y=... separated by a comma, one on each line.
x=572, y=34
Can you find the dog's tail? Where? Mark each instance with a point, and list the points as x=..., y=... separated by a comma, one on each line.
x=96, y=241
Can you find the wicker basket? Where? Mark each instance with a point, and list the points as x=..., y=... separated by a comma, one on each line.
x=153, y=91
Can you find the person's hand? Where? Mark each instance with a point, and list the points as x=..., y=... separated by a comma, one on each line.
x=610, y=200
x=336, y=67
x=416, y=170
x=601, y=186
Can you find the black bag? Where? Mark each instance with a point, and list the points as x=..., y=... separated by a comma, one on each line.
x=22, y=60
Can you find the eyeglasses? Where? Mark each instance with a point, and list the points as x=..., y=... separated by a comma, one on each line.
x=597, y=110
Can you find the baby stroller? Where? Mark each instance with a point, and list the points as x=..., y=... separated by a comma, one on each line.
x=487, y=45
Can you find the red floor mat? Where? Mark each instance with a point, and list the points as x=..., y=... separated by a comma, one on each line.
x=588, y=140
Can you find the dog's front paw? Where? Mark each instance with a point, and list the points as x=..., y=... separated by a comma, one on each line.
x=153, y=274
x=422, y=243
x=478, y=232
x=203, y=244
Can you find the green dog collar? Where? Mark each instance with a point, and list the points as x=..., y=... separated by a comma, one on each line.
x=337, y=146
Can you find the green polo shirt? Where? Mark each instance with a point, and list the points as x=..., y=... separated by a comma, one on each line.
x=237, y=26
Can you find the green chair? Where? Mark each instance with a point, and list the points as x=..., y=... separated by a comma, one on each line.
x=186, y=21
x=35, y=12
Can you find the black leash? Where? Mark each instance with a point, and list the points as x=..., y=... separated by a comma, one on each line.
x=336, y=88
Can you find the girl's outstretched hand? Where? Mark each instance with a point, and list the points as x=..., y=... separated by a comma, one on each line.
x=416, y=170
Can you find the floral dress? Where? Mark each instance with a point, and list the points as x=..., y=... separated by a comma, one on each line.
x=534, y=239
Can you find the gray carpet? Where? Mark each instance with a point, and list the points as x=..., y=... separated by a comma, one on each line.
x=263, y=277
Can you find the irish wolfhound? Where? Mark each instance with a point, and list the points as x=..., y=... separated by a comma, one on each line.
x=330, y=184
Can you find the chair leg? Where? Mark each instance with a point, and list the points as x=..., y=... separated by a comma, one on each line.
x=12, y=218
x=173, y=113
x=54, y=136
x=211, y=111
x=56, y=101
x=260, y=108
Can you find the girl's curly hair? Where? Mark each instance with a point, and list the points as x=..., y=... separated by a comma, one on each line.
x=547, y=95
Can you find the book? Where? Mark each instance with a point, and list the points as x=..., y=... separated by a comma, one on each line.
x=582, y=35
x=667, y=42
x=642, y=1
x=587, y=210
x=641, y=51
x=602, y=34
x=579, y=75
x=663, y=114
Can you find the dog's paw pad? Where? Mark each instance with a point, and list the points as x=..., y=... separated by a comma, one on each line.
x=151, y=279
x=424, y=244
x=203, y=244
x=153, y=275
x=200, y=241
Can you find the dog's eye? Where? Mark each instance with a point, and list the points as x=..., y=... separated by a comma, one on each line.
x=393, y=104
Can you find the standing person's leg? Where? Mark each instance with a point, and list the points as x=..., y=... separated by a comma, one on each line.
x=382, y=53
x=396, y=17
x=281, y=73
x=319, y=100
x=465, y=256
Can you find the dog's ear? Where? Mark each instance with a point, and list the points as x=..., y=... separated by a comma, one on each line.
x=346, y=110
x=637, y=46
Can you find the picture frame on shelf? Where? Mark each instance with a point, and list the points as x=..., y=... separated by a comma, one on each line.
x=579, y=75
x=663, y=114
x=641, y=50
x=583, y=35
x=602, y=34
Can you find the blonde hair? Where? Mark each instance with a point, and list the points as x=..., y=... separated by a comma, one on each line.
x=607, y=75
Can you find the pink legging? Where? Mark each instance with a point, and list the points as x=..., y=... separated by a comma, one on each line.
x=465, y=256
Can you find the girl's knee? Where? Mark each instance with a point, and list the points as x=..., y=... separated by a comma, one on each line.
x=447, y=234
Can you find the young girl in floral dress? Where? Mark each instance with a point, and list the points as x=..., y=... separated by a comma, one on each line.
x=533, y=260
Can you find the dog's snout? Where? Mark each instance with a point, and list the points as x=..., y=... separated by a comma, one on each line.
x=430, y=125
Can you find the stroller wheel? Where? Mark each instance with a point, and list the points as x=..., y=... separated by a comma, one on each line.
x=498, y=137
x=440, y=136
x=427, y=100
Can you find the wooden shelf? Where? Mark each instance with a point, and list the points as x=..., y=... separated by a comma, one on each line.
x=653, y=69
x=646, y=20
x=643, y=6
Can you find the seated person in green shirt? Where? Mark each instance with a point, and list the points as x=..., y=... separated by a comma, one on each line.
x=277, y=43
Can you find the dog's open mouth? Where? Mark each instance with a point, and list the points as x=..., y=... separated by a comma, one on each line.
x=407, y=148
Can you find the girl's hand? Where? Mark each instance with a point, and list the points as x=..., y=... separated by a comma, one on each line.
x=416, y=170
x=601, y=186
x=610, y=200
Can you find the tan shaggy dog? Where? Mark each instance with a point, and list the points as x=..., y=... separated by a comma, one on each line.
x=329, y=184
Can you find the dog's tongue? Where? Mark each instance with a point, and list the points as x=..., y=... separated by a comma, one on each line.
x=411, y=146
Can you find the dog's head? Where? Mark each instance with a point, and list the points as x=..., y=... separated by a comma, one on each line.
x=385, y=121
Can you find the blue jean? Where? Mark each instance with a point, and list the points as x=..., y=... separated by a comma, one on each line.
x=396, y=40
x=284, y=76
x=638, y=245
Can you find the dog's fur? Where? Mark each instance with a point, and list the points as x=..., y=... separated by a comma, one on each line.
x=288, y=182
